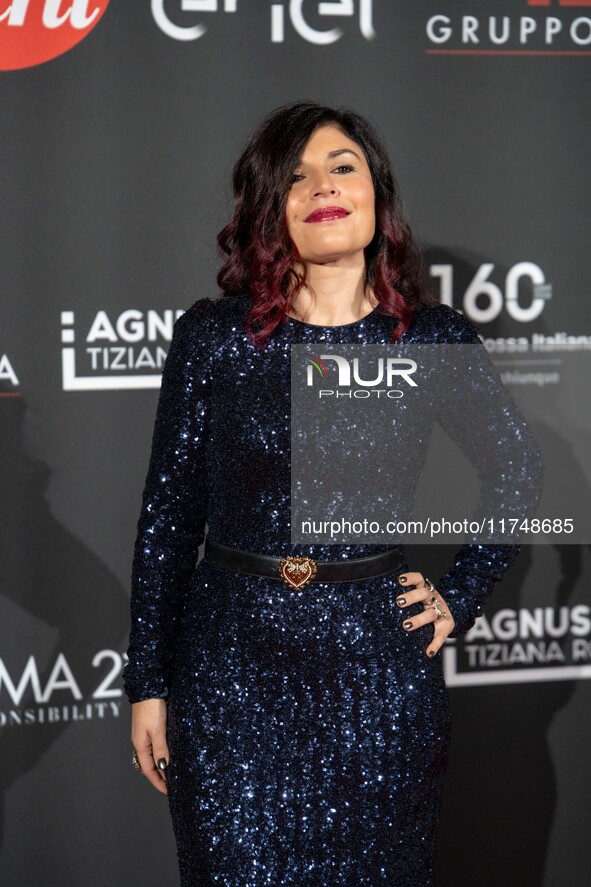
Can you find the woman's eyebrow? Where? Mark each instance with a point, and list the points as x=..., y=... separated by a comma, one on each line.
x=332, y=154
x=340, y=151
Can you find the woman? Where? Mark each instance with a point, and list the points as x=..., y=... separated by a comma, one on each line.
x=301, y=732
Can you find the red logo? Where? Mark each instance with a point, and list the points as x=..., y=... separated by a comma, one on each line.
x=35, y=31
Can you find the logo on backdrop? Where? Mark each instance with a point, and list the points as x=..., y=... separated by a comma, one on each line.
x=545, y=27
x=320, y=36
x=522, y=294
x=9, y=383
x=26, y=699
x=32, y=33
x=517, y=646
x=320, y=25
x=115, y=351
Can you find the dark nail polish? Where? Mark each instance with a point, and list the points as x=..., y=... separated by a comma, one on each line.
x=402, y=579
x=407, y=625
x=431, y=654
x=162, y=764
x=401, y=601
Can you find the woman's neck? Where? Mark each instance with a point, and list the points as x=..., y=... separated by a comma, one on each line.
x=332, y=296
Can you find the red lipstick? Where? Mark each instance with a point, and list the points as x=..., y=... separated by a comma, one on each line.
x=327, y=214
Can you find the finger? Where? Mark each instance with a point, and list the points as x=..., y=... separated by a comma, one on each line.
x=148, y=737
x=427, y=617
x=443, y=629
x=161, y=757
x=441, y=634
x=421, y=592
x=411, y=578
x=149, y=769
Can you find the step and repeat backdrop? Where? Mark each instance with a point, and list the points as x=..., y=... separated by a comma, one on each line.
x=120, y=122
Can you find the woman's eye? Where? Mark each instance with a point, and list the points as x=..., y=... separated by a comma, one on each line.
x=296, y=177
x=345, y=167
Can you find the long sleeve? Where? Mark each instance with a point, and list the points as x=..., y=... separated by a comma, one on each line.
x=173, y=514
x=480, y=415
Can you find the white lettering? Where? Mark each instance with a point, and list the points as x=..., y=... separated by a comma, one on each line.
x=531, y=624
x=527, y=26
x=439, y=28
x=6, y=370
x=504, y=625
x=514, y=309
x=144, y=359
x=61, y=678
x=375, y=381
x=480, y=630
x=177, y=32
x=160, y=326
x=480, y=286
x=405, y=373
x=320, y=38
x=581, y=650
x=581, y=623
x=495, y=655
x=492, y=29
x=77, y=13
x=469, y=28
x=117, y=357
x=30, y=676
x=133, y=325
x=130, y=326
x=330, y=8
x=574, y=31
x=552, y=629
x=553, y=26
x=193, y=32
x=16, y=13
x=101, y=329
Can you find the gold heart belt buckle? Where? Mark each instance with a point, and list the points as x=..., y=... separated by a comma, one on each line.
x=297, y=571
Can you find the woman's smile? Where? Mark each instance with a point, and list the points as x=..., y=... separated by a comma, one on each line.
x=327, y=214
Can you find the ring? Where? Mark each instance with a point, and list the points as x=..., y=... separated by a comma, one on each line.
x=136, y=762
x=441, y=614
x=428, y=584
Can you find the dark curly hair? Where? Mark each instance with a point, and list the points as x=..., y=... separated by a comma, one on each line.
x=260, y=254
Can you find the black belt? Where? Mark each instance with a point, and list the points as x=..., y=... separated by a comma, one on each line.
x=299, y=571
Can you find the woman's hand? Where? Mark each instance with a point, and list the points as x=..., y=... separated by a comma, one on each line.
x=148, y=737
x=435, y=609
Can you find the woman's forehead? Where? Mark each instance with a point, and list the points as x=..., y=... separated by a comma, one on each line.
x=330, y=140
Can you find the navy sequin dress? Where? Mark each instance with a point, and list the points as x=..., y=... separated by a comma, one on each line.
x=308, y=732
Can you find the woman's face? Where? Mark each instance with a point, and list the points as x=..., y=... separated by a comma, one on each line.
x=330, y=209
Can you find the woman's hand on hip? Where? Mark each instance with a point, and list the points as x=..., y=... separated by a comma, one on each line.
x=435, y=610
x=148, y=737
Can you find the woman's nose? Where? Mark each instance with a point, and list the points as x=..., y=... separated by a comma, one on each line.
x=324, y=184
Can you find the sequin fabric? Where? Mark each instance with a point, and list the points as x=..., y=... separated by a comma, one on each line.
x=308, y=732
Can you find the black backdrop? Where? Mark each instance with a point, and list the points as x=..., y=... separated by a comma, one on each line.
x=114, y=170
